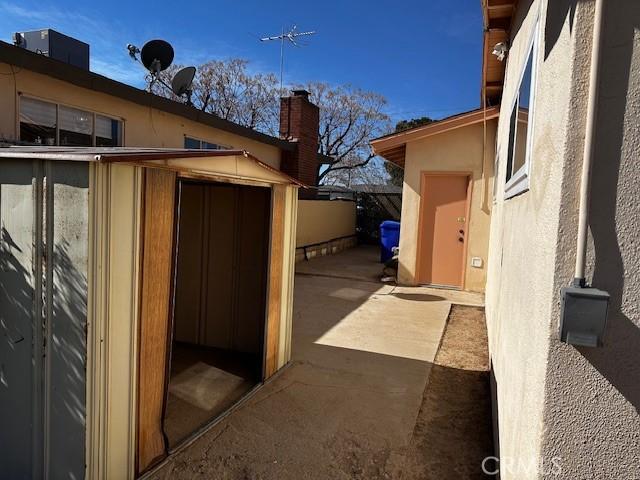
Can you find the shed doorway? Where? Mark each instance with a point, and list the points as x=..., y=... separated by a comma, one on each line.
x=442, y=230
x=219, y=302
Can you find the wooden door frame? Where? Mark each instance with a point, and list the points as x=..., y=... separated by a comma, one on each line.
x=467, y=211
x=272, y=307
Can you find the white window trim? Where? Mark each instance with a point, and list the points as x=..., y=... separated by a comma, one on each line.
x=519, y=181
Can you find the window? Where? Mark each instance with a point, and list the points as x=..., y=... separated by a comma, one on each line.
x=38, y=121
x=44, y=123
x=76, y=127
x=520, y=128
x=195, y=144
x=192, y=143
x=108, y=132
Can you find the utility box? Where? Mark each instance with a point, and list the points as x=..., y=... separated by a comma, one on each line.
x=583, y=316
x=55, y=45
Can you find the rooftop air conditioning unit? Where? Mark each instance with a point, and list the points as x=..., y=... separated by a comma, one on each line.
x=55, y=45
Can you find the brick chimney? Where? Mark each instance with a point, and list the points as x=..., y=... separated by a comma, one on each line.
x=299, y=123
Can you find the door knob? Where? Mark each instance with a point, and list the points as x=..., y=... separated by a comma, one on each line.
x=460, y=239
x=461, y=232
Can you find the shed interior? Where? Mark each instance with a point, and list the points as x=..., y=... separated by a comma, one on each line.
x=219, y=302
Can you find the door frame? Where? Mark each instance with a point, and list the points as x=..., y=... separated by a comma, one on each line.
x=467, y=211
x=271, y=316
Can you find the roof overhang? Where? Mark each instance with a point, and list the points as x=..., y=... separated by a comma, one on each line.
x=497, y=15
x=223, y=165
x=25, y=59
x=392, y=147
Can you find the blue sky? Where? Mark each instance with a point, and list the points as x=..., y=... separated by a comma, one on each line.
x=423, y=56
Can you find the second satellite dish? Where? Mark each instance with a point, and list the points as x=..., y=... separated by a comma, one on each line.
x=156, y=55
x=181, y=83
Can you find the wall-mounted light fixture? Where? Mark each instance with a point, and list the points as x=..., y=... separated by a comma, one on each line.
x=500, y=50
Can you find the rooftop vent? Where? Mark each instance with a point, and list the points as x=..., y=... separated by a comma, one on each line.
x=55, y=45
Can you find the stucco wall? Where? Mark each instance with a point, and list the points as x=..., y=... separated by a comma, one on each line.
x=593, y=395
x=569, y=411
x=459, y=150
x=143, y=126
x=322, y=220
x=524, y=231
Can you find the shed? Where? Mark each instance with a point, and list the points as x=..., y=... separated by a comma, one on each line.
x=143, y=292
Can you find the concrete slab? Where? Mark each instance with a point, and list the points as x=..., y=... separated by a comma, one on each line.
x=347, y=406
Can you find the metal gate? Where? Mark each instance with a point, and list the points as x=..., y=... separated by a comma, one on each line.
x=43, y=317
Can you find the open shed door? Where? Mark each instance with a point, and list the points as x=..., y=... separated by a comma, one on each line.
x=157, y=267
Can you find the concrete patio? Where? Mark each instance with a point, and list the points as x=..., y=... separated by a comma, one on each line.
x=347, y=405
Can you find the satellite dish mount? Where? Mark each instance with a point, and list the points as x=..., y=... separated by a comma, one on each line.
x=157, y=56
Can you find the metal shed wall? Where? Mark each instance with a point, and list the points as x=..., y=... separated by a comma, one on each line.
x=43, y=318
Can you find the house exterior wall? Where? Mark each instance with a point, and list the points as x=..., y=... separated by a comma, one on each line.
x=459, y=150
x=143, y=126
x=562, y=411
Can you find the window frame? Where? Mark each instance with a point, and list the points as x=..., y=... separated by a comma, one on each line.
x=202, y=142
x=519, y=181
x=57, y=106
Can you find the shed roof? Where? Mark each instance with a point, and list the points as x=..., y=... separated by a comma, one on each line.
x=393, y=146
x=226, y=163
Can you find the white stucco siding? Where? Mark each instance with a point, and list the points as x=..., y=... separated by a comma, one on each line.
x=593, y=395
x=524, y=232
x=564, y=407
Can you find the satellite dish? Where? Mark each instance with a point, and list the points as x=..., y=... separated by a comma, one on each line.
x=181, y=83
x=156, y=55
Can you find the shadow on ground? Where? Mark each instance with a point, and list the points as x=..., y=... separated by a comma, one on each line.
x=348, y=406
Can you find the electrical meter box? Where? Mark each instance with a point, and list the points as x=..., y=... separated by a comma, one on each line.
x=583, y=316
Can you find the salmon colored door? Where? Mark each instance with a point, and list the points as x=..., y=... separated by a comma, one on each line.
x=442, y=229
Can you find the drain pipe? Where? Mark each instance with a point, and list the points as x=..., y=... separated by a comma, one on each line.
x=587, y=156
x=584, y=309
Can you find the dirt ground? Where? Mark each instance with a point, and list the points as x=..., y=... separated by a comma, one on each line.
x=453, y=430
x=354, y=401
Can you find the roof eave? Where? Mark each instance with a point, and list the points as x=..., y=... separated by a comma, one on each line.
x=434, y=128
x=79, y=77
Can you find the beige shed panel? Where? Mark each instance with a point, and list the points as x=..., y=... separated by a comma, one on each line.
x=116, y=212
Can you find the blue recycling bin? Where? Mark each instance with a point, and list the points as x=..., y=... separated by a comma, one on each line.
x=389, y=238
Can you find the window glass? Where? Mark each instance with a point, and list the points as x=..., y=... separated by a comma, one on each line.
x=191, y=143
x=108, y=132
x=210, y=146
x=519, y=122
x=524, y=95
x=512, y=140
x=76, y=127
x=37, y=121
x=524, y=99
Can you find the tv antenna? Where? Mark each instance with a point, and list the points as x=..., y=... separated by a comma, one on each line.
x=291, y=37
x=156, y=56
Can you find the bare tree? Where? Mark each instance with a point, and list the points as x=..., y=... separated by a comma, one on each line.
x=349, y=119
x=226, y=89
